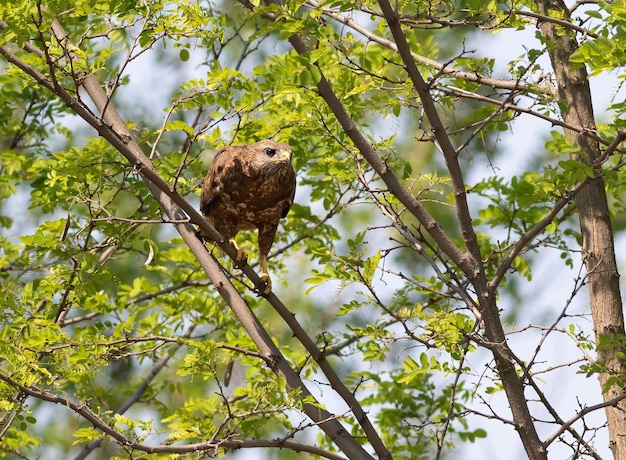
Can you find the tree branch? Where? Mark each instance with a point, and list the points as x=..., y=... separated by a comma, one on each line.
x=561, y=22
x=568, y=423
x=612, y=146
x=158, y=366
x=212, y=446
x=470, y=264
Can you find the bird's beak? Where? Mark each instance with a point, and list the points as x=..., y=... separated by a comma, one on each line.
x=282, y=155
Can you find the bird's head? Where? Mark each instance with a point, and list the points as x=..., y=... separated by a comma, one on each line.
x=272, y=156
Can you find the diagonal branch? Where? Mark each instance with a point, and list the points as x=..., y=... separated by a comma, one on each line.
x=441, y=136
x=261, y=338
x=612, y=147
x=504, y=357
x=270, y=352
x=367, y=150
x=117, y=134
x=568, y=423
x=182, y=214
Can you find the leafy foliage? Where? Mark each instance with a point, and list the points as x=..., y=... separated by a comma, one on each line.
x=109, y=317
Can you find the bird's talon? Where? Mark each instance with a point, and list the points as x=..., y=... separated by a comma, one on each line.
x=201, y=236
x=241, y=259
x=266, y=284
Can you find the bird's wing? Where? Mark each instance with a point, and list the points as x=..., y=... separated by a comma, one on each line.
x=292, y=186
x=212, y=187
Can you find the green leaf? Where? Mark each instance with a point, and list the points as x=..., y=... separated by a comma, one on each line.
x=85, y=435
x=370, y=266
x=179, y=125
x=306, y=78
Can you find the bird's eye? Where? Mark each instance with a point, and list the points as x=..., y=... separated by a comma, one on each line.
x=270, y=152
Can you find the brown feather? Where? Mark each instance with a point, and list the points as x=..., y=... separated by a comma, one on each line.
x=247, y=187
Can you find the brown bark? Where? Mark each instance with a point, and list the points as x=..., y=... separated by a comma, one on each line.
x=593, y=211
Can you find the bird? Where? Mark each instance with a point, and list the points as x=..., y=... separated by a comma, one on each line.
x=250, y=187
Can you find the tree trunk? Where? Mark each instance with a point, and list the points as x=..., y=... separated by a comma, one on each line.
x=593, y=212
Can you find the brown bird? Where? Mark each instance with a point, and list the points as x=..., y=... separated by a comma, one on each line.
x=247, y=187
